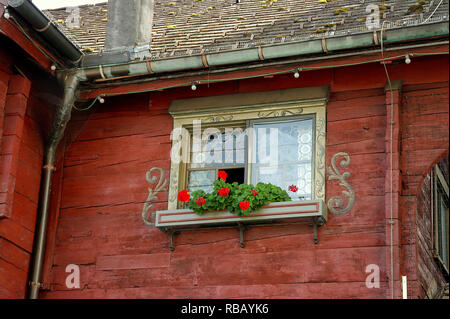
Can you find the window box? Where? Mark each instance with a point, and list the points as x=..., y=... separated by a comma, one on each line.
x=176, y=220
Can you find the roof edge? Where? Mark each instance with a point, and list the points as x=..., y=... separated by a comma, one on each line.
x=261, y=53
x=41, y=24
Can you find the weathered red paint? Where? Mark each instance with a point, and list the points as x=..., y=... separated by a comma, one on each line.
x=103, y=190
x=12, y=31
x=22, y=122
x=20, y=180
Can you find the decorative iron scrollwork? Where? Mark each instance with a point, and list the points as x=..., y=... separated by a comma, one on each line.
x=161, y=184
x=336, y=203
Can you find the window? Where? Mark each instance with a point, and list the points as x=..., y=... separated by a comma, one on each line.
x=440, y=220
x=237, y=134
x=219, y=149
x=293, y=162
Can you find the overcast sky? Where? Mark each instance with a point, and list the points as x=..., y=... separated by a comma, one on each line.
x=52, y=4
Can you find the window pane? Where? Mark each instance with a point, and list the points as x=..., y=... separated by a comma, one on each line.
x=219, y=150
x=283, y=154
x=202, y=180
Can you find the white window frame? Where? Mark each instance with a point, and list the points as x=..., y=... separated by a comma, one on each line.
x=302, y=117
x=307, y=101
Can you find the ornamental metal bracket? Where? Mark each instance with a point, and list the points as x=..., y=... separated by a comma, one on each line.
x=336, y=203
x=242, y=228
x=315, y=224
x=161, y=184
x=304, y=212
x=171, y=233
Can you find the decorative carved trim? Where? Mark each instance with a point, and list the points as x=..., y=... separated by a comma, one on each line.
x=336, y=203
x=173, y=188
x=161, y=184
x=279, y=113
x=216, y=119
x=320, y=160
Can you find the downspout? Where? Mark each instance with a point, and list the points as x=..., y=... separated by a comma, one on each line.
x=62, y=117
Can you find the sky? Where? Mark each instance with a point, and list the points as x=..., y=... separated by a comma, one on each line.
x=52, y=4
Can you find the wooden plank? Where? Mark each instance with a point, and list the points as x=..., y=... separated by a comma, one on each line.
x=100, y=159
x=354, y=130
x=28, y=181
x=110, y=190
x=356, y=108
x=133, y=261
x=328, y=290
x=13, y=279
x=25, y=211
x=14, y=255
x=17, y=234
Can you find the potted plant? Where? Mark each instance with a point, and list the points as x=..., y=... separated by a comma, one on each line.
x=237, y=199
x=238, y=204
x=233, y=202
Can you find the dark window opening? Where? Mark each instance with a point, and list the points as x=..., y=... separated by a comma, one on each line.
x=235, y=175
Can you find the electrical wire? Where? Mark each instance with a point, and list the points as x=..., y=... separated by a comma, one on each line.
x=292, y=70
x=34, y=43
x=88, y=107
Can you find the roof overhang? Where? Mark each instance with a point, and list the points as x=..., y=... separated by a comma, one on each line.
x=323, y=46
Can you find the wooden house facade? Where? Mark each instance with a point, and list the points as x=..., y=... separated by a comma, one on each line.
x=375, y=141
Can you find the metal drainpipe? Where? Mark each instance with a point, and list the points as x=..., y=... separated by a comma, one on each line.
x=62, y=117
x=45, y=28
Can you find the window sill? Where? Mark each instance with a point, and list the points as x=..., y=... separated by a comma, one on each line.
x=177, y=220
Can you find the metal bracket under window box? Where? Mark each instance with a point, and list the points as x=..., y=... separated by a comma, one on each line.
x=174, y=221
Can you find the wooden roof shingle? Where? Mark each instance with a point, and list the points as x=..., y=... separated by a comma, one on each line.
x=184, y=27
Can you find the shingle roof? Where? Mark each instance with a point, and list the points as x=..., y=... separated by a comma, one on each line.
x=184, y=27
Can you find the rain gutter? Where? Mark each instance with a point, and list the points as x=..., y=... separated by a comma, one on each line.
x=47, y=30
x=268, y=52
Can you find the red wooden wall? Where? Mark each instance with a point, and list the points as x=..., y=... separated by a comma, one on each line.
x=97, y=221
x=21, y=145
x=425, y=141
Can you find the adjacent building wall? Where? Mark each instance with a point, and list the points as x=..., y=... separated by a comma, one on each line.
x=429, y=275
x=23, y=119
x=425, y=123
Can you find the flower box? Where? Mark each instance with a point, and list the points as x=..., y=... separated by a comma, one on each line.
x=176, y=220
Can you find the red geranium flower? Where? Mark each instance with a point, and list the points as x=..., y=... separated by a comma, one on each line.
x=254, y=192
x=244, y=205
x=293, y=188
x=200, y=201
x=223, y=175
x=224, y=191
x=183, y=196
